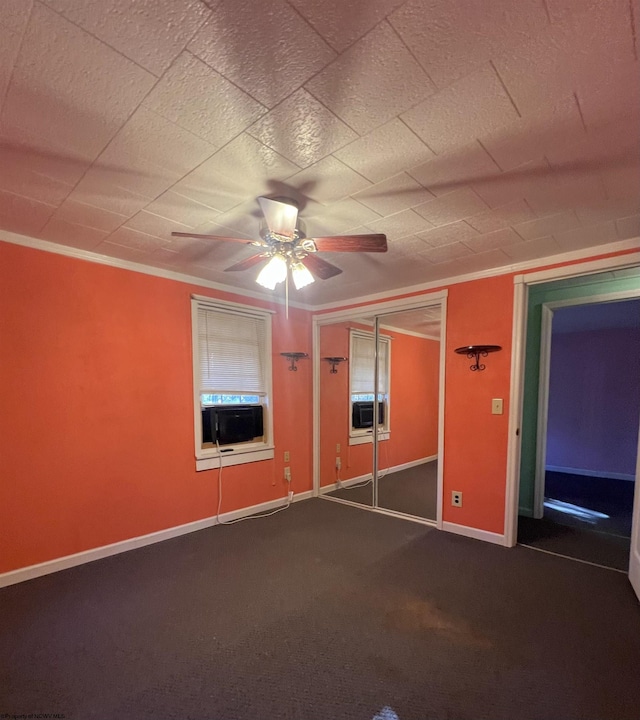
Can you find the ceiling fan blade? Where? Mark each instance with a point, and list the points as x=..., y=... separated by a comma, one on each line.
x=352, y=243
x=319, y=267
x=281, y=217
x=216, y=237
x=247, y=262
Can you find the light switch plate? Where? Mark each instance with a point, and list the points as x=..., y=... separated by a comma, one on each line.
x=496, y=406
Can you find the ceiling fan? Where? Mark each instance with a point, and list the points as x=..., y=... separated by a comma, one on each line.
x=286, y=249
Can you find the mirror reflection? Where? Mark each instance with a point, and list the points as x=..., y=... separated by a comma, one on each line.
x=405, y=478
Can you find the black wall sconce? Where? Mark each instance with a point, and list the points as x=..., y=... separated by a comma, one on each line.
x=475, y=352
x=334, y=362
x=293, y=358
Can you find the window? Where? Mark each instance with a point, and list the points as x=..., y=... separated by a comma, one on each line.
x=361, y=385
x=232, y=384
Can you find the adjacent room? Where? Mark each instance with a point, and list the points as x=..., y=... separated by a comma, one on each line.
x=291, y=343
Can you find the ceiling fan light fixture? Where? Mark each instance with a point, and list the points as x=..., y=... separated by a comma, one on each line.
x=274, y=272
x=301, y=275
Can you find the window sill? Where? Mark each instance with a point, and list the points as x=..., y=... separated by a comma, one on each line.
x=364, y=438
x=234, y=457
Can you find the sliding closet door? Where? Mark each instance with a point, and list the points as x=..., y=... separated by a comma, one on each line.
x=407, y=404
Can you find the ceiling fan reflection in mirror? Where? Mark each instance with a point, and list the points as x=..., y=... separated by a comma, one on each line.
x=287, y=250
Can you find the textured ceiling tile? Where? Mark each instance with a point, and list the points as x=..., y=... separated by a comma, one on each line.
x=517, y=184
x=23, y=215
x=243, y=220
x=493, y=240
x=69, y=89
x=393, y=195
x=457, y=205
x=207, y=187
x=100, y=188
x=339, y=218
x=451, y=39
x=587, y=45
x=246, y=157
x=609, y=210
x=447, y=234
x=448, y=252
x=372, y=81
x=628, y=227
x=400, y=225
x=484, y=260
x=302, y=129
x=510, y=214
x=549, y=225
x=149, y=32
x=180, y=209
x=341, y=23
x=623, y=182
x=15, y=14
x=9, y=46
x=155, y=225
x=153, y=153
x=542, y=247
x=78, y=236
x=328, y=180
x=567, y=191
x=549, y=129
x=456, y=169
x=24, y=173
x=136, y=240
x=72, y=212
x=587, y=236
x=444, y=120
x=122, y=252
x=617, y=98
x=385, y=151
x=238, y=41
x=200, y=100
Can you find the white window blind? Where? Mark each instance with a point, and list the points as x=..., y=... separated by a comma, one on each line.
x=362, y=364
x=232, y=352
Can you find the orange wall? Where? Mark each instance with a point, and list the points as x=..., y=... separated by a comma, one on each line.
x=475, y=441
x=413, y=405
x=96, y=427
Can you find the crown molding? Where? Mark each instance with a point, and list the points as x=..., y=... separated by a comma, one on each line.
x=398, y=293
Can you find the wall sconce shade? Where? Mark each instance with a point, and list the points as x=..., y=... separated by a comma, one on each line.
x=293, y=358
x=334, y=362
x=475, y=351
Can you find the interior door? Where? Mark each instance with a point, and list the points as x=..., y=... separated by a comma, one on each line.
x=634, y=559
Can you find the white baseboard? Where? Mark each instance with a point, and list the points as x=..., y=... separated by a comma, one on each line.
x=68, y=561
x=474, y=533
x=591, y=473
x=363, y=478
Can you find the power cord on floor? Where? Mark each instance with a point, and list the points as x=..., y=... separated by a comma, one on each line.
x=248, y=517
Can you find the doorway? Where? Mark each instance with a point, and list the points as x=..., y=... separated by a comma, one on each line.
x=380, y=409
x=588, y=416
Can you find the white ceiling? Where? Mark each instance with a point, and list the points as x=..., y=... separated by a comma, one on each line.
x=474, y=134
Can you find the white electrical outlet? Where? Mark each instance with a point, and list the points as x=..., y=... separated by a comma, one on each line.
x=456, y=498
x=338, y=463
x=338, y=448
x=287, y=457
x=287, y=474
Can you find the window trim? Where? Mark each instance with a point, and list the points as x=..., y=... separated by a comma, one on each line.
x=361, y=436
x=211, y=458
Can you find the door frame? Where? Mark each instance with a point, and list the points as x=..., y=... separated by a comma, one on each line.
x=522, y=282
x=548, y=310
x=431, y=299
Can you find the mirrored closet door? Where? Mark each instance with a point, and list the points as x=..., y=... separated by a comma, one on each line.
x=380, y=409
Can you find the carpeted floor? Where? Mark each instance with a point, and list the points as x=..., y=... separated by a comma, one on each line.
x=412, y=491
x=321, y=612
x=602, y=540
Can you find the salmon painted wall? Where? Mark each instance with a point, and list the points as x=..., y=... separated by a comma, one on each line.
x=475, y=441
x=96, y=391
x=413, y=405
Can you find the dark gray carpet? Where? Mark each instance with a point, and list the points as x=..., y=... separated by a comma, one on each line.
x=600, y=540
x=413, y=491
x=323, y=612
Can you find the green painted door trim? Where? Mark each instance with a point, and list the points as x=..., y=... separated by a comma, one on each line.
x=585, y=286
